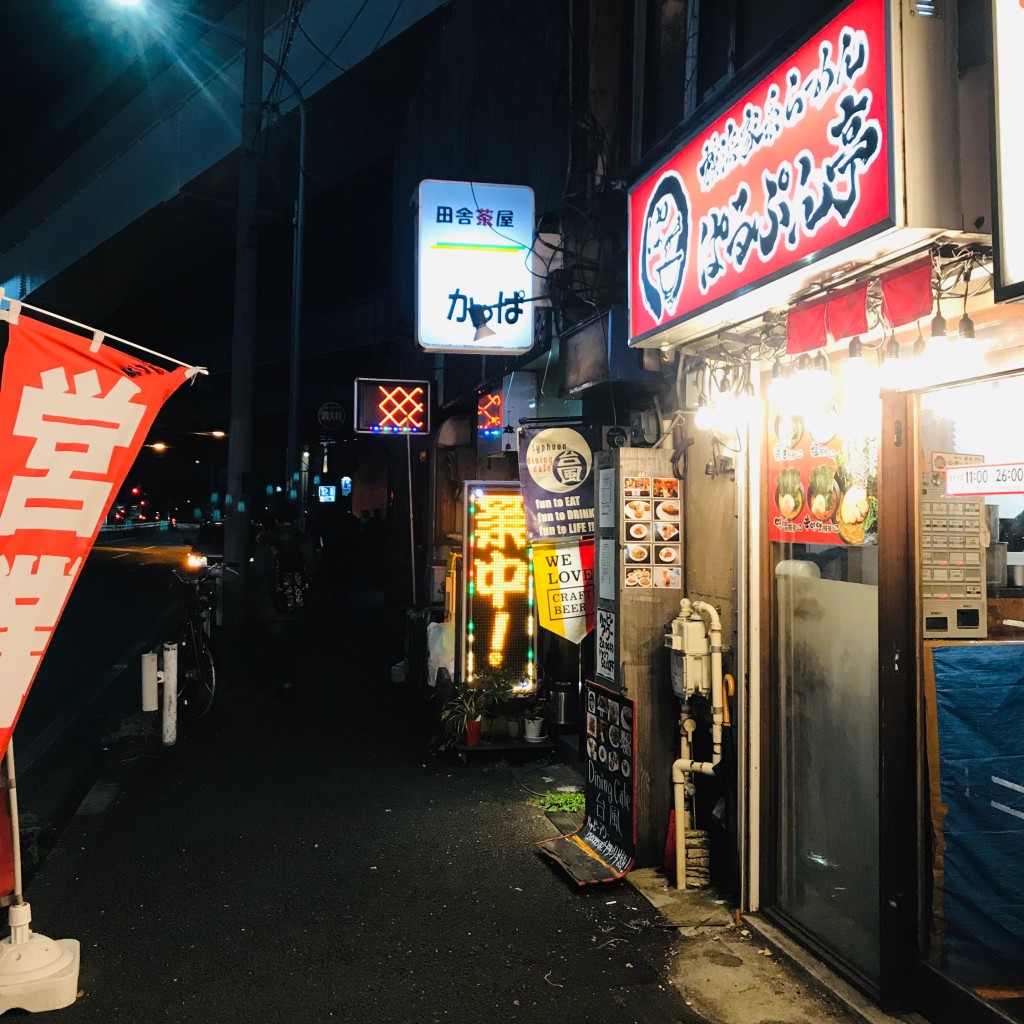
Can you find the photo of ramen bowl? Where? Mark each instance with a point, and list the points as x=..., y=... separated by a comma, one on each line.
x=789, y=430
x=789, y=494
x=857, y=515
x=822, y=493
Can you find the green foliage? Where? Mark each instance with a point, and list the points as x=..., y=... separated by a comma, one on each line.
x=468, y=703
x=573, y=803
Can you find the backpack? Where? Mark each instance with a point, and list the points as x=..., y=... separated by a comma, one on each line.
x=289, y=579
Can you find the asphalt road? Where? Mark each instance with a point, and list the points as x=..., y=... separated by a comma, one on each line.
x=315, y=859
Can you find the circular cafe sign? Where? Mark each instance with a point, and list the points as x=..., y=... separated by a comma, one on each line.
x=331, y=416
x=559, y=459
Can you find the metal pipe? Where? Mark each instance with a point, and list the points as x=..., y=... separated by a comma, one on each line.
x=412, y=535
x=684, y=767
x=12, y=799
x=169, y=718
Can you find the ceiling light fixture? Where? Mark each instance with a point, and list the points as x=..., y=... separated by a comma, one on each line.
x=966, y=328
x=919, y=343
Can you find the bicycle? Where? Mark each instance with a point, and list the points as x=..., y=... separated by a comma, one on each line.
x=197, y=671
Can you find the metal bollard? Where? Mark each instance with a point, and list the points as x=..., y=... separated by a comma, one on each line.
x=150, y=682
x=169, y=724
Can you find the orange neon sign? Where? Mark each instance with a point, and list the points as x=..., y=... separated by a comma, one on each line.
x=488, y=414
x=392, y=406
x=499, y=600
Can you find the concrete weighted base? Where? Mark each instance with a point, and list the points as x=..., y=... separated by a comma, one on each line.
x=36, y=973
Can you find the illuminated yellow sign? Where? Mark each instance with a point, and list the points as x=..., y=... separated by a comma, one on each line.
x=499, y=603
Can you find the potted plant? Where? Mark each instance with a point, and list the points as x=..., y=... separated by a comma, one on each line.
x=462, y=714
x=535, y=714
x=465, y=709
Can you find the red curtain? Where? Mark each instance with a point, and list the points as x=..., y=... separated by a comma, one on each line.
x=907, y=293
x=805, y=328
x=847, y=312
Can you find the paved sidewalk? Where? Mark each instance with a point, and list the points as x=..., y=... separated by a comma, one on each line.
x=312, y=859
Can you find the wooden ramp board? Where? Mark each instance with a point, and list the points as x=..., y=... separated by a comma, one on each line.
x=581, y=863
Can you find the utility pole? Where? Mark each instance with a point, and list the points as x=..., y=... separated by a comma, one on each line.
x=243, y=338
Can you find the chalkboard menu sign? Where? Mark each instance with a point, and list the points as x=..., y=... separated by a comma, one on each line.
x=604, y=848
x=609, y=827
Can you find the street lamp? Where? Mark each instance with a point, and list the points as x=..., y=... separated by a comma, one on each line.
x=242, y=438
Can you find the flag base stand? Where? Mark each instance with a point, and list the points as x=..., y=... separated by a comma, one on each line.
x=36, y=973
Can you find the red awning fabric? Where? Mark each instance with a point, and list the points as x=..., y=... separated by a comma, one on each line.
x=907, y=293
x=846, y=312
x=805, y=328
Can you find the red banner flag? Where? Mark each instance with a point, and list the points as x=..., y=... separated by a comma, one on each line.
x=73, y=416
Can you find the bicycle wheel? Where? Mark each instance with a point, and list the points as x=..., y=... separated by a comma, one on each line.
x=197, y=675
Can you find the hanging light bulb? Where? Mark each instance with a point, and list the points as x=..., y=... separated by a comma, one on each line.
x=780, y=388
x=749, y=406
x=890, y=375
x=704, y=416
x=860, y=378
x=920, y=345
x=938, y=322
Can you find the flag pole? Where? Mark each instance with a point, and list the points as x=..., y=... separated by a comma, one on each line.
x=412, y=532
x=36, y=973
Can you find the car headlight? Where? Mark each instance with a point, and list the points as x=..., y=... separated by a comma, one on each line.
x=194, y=561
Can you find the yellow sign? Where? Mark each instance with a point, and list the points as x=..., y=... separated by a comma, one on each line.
x=564, y=581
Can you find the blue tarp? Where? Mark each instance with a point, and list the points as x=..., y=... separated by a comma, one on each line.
x=979, y=691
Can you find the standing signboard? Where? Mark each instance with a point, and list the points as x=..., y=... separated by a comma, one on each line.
x=604, y=847
x=74, y=413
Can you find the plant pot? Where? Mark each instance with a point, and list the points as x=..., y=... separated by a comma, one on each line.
x=473, y=732
x=533, y=730
x=513, y=728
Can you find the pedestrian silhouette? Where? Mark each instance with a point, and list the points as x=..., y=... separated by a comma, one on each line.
x=283, y=567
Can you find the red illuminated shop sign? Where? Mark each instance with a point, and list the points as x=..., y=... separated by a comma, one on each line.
x=799, y=168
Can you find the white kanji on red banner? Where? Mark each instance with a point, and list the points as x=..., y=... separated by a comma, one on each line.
x=73, y=416
x=75, y=432
x=32, y=594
